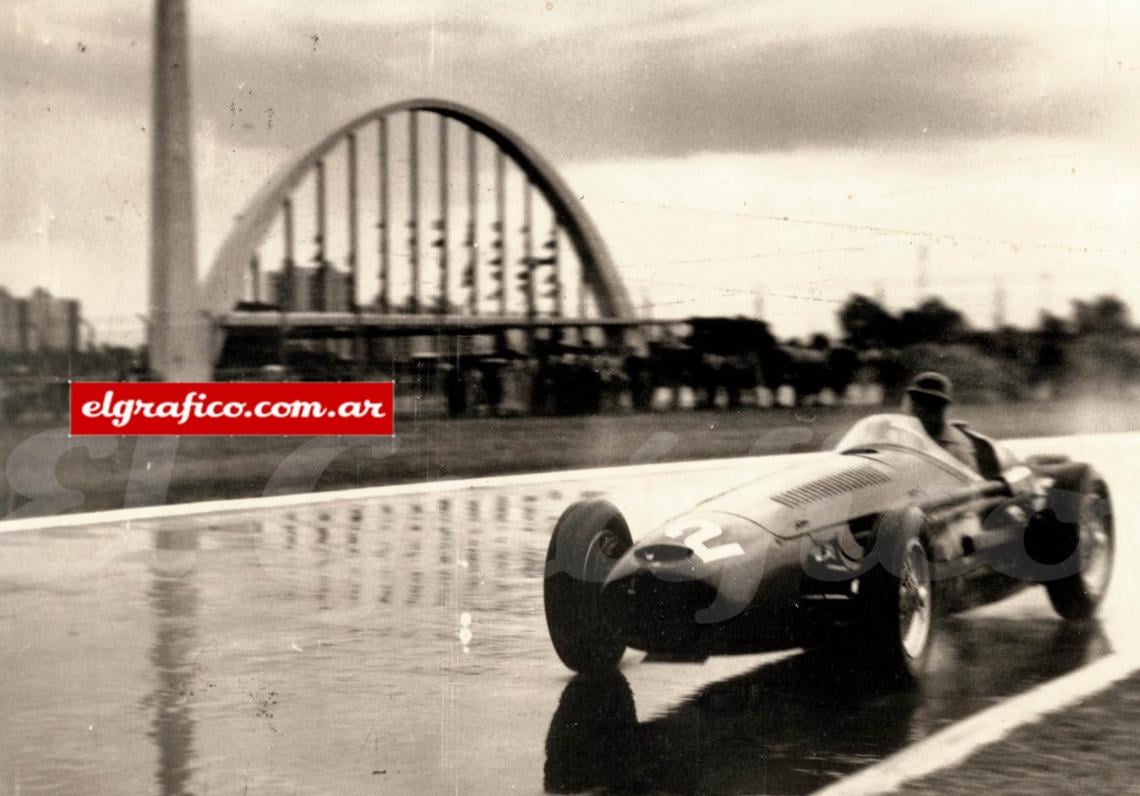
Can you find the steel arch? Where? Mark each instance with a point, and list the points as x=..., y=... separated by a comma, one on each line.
x=224, y=282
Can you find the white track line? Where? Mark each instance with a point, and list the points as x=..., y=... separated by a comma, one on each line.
x=143, y=513
x=363, y=493
x=957, y=742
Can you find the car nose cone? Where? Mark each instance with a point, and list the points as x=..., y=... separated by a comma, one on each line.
x=663, y=554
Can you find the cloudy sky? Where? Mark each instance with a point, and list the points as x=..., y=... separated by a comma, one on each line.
x=737, y=156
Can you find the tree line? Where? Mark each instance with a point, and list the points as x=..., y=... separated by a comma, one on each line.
x=1094, y=349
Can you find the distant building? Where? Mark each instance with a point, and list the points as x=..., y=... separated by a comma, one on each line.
x=13, y=322
x=38, y=323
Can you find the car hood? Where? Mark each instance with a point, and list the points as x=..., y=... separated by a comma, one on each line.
x=832, y=489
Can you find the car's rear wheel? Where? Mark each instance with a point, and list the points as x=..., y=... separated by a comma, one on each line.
x=899, y=598
x=1089, y=534
x=588, y=540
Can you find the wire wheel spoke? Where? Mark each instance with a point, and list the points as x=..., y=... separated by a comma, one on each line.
x=1095, y=547
x=914, y=602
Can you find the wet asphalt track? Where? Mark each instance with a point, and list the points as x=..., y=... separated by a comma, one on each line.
x=398, y=644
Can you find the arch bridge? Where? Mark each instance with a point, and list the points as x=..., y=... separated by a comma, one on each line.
x=416, y=218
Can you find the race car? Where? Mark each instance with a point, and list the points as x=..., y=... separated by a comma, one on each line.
x=865, y=546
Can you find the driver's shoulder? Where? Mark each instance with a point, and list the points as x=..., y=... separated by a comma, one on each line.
x=988, y=455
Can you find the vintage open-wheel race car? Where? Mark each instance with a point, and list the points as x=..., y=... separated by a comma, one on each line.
x=865, y=545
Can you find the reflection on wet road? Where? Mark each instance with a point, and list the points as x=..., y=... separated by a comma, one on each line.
x=174, y=601
x=797, y=724
x=398, y=644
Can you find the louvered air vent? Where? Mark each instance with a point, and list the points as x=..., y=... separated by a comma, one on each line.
x=830, y=486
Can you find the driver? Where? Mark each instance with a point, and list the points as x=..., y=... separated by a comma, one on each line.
x=927, y=399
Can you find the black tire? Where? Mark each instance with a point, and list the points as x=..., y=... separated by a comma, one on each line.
x=1082, y=521
x=588, y=540
x=898, y=625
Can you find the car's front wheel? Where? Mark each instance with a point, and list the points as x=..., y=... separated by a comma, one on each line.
x=899, y=599
x=588, y=540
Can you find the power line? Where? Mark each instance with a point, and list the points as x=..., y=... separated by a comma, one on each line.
x=881, y=230
x=741, y=292
x=758, y=256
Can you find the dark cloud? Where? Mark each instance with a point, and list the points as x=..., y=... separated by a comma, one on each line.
x=582, y=95
x=872, y=89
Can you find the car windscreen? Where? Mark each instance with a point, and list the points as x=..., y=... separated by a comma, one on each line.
x=887, y=430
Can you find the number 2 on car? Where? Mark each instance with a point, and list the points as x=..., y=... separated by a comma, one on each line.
x=699, y=533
